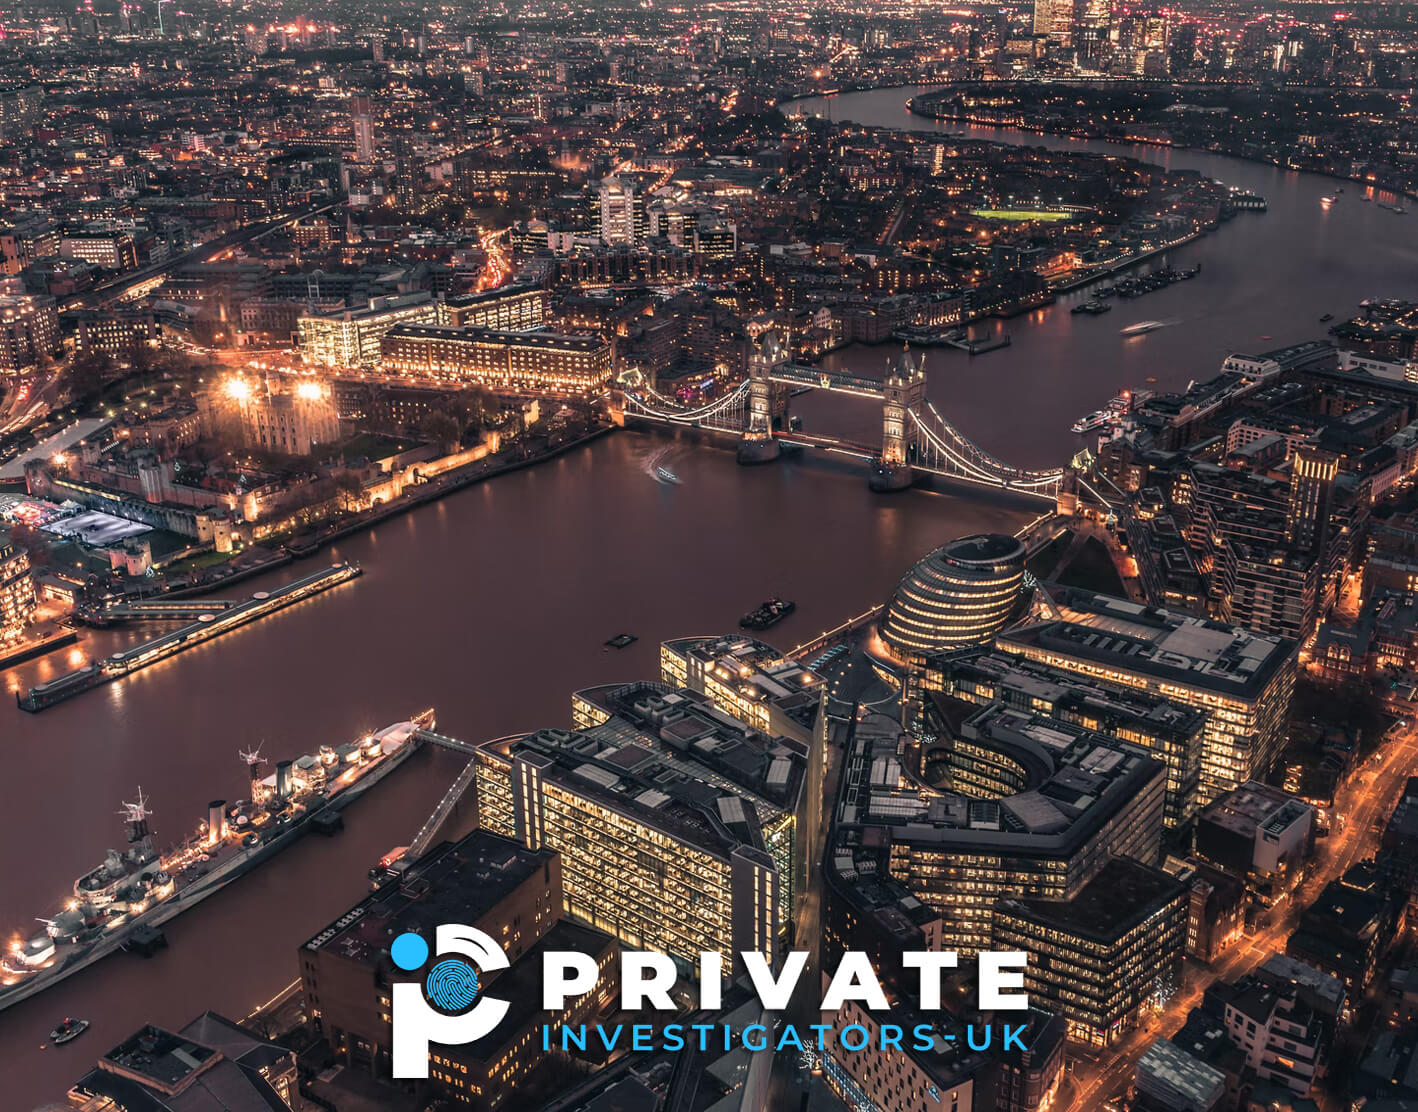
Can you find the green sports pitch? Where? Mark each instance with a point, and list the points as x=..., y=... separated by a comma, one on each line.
x=1044, y=215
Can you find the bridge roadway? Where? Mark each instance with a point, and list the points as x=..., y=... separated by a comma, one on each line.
x=915, y=436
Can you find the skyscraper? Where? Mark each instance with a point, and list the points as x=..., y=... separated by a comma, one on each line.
x=1094, y=18
x=618, y=211
x=1312, y=473
x=362, y=114
x=1053, y=19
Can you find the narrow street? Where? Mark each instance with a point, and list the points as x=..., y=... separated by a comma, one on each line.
x=1366, y=798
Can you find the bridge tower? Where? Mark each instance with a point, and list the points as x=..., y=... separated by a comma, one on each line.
x=758, y=444
x=903, y=394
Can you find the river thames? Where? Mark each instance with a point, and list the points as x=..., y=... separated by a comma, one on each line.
x=492, y=605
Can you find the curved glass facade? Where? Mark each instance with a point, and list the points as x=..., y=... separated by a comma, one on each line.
x=960, y=595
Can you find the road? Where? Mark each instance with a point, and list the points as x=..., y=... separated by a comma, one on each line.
x=116, y=286
x=1368, y=796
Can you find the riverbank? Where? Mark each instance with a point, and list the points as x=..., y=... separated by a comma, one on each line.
x=1035, y=129
x=308, y=544
x=1127, y=140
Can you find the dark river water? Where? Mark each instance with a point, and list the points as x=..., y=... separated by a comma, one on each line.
x=492, y=605
x=1266, y=280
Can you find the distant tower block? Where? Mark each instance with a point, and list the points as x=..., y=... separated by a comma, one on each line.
x=903, y=394
x=758, y=444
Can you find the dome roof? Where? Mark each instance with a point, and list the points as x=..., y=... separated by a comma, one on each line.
x=959, y=595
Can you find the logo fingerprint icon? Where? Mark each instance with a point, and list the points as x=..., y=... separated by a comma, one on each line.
x=452, y=985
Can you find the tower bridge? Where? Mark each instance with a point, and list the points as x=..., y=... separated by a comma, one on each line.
x=915, y=438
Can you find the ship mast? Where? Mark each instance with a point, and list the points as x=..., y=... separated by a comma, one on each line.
x=252, y=757
x=140, y=837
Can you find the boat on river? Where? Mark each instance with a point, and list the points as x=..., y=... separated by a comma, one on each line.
x=130, y=893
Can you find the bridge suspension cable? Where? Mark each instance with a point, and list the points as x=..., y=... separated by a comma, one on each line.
x=676, y=412
x=975, y=462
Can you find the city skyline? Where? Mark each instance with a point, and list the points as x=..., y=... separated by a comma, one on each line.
x=747, y=498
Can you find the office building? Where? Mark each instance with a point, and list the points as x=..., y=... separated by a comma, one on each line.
x=507, y=891
x=106, y=250
x=1011, y=804
x=944, y=1077
x=1105, y=956
x=747, y=679
x=507, y=309
x=1053, y=20
x=1312, y=473
x=677, y=825
x=115, y=332
x=1242, y=680
x=536, y=361
x=210, y=1063
x=960, y=595
x=17, y=594
x=29, y=331
x=21, y=108
x=350, y=337
x=622, y=211
x=1172, y=732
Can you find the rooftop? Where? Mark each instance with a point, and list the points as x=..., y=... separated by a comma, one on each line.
x=1077, y=780
x=453, y=883
x=455, y=333
x=1010, y=678
x=1121, y=895
x=1169, y=646
x=1168, y=1066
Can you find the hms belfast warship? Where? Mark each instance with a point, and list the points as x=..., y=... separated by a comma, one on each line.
x=121, y=902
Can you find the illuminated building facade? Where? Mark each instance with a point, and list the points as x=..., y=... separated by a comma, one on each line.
x=1171, y=731
x=350, y=337
x=500, y=360
x=508, y=309
x=1242, y=680
x=509, y=892
x=941, y=1079
x=1030, y=808
x=362, y=123
x=114, y=332
x=960, y=595
x=291, y=421
x=1312, y=473
x=109, y=250
x=747, y=679
x=21, y=108
x=661, y=845
x=1029, y=1076
x=29, y=331
x=1053, y=20
x=17, y=594
x=1102, y=958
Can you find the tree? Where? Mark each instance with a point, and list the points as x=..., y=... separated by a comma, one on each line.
x=89, y=371
x=442, y=429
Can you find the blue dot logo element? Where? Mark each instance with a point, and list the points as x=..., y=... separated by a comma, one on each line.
x=452, y=985
x=409, y=951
